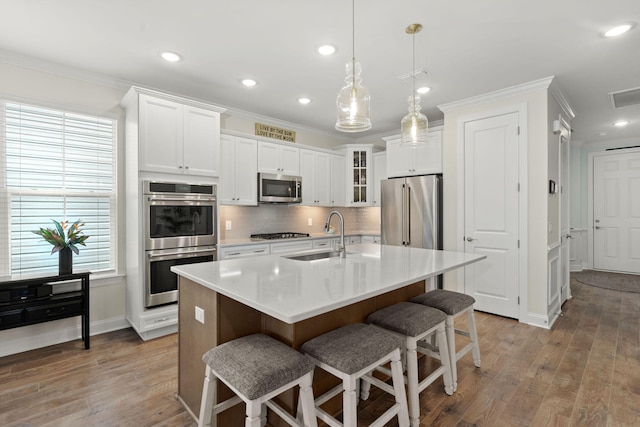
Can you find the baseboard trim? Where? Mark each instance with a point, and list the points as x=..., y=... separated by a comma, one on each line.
x=30, y=337
x=538, y=320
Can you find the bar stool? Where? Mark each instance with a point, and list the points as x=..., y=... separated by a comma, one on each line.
x=454, y=304
x=350, y=353
x=413, y=323
x=256, y=368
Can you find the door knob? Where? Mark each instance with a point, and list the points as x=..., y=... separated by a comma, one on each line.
x=469, y=239
x=569, y=236
x=597, y=227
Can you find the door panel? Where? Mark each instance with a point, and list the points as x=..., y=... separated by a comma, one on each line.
x=616, y=212
x=391, y=212
x=491, y=212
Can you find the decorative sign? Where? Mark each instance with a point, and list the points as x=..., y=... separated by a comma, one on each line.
x=275, y=133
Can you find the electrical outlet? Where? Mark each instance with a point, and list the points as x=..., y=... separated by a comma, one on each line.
x=228, y=225
x=200, y=314
x=310, y=222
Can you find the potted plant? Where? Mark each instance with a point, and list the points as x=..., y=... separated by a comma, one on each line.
x=65, y=239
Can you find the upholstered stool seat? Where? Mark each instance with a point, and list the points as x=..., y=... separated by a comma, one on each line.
x=454, y=304
x=256, y=368
x=412, y=323
x=350, y=353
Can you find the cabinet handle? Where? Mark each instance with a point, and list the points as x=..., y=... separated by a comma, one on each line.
x=234, y=254
x=257, y=252
x=180, y=167
x=186, y=167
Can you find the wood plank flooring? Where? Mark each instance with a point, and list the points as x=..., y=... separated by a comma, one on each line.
x=585, y=371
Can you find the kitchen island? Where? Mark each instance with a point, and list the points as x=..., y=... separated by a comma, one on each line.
x=293, y=301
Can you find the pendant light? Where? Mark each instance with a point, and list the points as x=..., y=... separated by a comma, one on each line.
x=353, y=103
x=414, y=126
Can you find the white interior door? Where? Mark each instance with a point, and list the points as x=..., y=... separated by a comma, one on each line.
x=565, y=230
x=491, y=212
x=616, y=212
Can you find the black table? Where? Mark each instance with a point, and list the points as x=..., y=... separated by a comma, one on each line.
x=32, y=300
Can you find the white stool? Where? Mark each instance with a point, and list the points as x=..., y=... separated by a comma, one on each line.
x=413, y=323
x=256, y=368
x=350, y=353
x=453, y=304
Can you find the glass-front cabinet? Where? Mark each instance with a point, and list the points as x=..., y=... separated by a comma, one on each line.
x=359, y=161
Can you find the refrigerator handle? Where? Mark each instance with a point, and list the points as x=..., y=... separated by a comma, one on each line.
x=404, y=214
x=408, y=215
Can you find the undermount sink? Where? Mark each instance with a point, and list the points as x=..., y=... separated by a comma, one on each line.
x=314, y=256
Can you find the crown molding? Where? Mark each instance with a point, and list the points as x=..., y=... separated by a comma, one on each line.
x=521, y=89
x=560, y=98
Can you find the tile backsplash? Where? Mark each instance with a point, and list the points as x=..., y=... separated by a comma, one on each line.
x=247, y=220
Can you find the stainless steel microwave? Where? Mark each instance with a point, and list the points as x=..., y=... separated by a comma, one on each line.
x=275, y=188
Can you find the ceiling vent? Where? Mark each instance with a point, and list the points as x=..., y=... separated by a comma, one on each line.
x=625, y=98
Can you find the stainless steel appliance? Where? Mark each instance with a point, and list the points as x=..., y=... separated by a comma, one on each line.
x=275, y=188
x=276, y=236
x=411, y=212
x=180, y=228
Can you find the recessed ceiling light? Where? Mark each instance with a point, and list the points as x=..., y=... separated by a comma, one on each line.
x=170, y=56
x=616, y=31
x=423, y=89
x=249, y=82
x=602, y=134
x=327, y=49
x=304, y=101
x=621, y=123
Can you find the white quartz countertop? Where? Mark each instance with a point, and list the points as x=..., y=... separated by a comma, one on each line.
x=292, y=290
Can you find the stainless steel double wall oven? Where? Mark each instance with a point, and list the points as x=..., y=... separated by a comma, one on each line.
x=180, y=228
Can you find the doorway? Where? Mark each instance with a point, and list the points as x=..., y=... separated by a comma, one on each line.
x=614, y=211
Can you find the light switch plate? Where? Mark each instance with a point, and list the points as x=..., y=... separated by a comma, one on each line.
x=200, y=314
x=310, y=222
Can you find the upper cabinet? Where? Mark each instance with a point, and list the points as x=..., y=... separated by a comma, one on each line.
x=358, y=172
x=315, y=170
x=177, y=138
x=338, y=183
x=278, y=159
x=379, y=173
x=415, y=160
x=238, y=180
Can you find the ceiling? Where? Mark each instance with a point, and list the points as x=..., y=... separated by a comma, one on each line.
x=467, y=47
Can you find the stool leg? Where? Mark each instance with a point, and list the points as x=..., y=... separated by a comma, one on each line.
x=398, y=387
x=365, y=388
x=451, y=343
x=306, y=401
x=207, y=418
x=254, y=414
x=412, y=382
x=473, y=336
x=445, y=359
x=349, y=402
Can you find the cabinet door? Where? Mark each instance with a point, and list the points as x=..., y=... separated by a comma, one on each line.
x=338, y=184
x=201, y=142
x=290, y=160
x=160, y=135
x=428, y=157
x=322, y=173
x=399, y=159
x=379, y=173
x=307, y=172
x=226, y=189
x=358, y=176
x=246, y=171
x=268, y=157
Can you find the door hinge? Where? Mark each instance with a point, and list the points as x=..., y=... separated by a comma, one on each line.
x=518, y=130
x=518, y=300
x=518, y=187
x=518, y=244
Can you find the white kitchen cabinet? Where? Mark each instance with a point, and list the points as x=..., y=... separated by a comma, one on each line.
x=338, y=184
x=379, y=173
x=291, y=247
x=358, y=174
x=278, y=159
x=315, y=170
x=177, y=138
x=239, y=169
x=329, y=244
x=415, y=160
x=370, y=239
x=243, y=251
x=351, y=240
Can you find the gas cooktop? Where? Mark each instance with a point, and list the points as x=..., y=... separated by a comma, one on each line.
x=275, y=236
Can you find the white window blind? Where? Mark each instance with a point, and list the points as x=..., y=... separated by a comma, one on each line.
x=61, y=166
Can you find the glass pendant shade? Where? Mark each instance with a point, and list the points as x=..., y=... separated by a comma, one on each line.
x=353, y=102
x=414, y=127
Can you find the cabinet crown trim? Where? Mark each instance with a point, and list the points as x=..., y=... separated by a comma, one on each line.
x=131, y=97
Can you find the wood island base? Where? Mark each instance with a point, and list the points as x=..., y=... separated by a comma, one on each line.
x=227, y=319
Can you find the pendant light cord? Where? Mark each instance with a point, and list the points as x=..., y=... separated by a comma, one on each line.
x=413, y=73
x=353, y=41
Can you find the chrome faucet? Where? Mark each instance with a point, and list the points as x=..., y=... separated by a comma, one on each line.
x=342, y=248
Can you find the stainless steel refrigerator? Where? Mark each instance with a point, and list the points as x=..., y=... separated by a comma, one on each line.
x=412, y=211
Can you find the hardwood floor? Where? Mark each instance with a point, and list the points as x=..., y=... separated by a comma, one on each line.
x=585, y=371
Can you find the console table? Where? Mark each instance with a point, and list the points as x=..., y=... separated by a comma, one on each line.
x=30, y=301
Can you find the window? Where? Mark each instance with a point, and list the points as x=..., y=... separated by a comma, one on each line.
x=56, y=165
